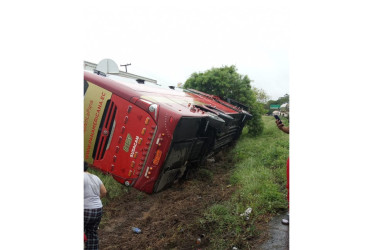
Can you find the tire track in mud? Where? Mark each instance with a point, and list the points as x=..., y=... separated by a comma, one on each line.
x=167, y=219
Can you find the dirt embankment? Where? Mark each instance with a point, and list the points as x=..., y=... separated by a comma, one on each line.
x=167, y=219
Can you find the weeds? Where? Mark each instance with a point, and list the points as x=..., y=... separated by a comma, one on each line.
x=204, y=175
x=114, y=188
x=260, y=175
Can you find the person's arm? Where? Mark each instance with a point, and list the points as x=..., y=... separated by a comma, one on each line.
x=286, y=129
x=281, y=126
x=102, y=190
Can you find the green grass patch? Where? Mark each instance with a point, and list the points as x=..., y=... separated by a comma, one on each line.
x=261, y=169
x=113, y=187
x=260, y=175
x=204, y=175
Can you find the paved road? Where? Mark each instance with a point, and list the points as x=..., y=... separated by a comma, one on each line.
x=278, y=235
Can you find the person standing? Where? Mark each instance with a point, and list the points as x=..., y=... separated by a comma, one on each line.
x=94, y=190
x=286, y=130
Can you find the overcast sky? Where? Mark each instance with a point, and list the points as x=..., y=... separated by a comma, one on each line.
x=170, y=40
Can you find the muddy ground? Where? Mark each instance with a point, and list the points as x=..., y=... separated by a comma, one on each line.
x=168, y=219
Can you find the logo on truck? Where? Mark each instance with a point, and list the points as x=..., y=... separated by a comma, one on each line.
x=127, y=143
x=95, y=99
x=134, y=146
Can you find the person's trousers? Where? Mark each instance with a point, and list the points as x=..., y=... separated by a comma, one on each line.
x=92, y=218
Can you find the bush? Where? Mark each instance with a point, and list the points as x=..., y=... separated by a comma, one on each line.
x=255, y=125
x=226, y=82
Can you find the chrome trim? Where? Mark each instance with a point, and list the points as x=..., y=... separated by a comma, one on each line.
x=153, y=108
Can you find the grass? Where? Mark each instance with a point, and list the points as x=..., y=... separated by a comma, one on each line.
x=259, y=173
x=114, y=188
x=260, y=176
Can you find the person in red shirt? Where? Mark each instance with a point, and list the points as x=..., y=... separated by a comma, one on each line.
x=286, y=130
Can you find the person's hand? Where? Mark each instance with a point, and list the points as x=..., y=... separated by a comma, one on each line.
x=279, y=124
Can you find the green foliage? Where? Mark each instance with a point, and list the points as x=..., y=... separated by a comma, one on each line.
x=284, y=99
x=222, y=82
x=226, y=226
x=280, y=101
x=226, y=82
x=113, y=187
x=255, y=124
x=261, y=95
x=260, y=175
x=204, y=174
x=261, y=169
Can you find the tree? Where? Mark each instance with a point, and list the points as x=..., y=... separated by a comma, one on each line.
x=284, y=99
x=225, y=82
x=280, y=101
x=261, y=95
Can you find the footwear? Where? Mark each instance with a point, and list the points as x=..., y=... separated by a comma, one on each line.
x=286, y=221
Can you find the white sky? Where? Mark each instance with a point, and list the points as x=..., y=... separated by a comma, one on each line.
x=169, y=40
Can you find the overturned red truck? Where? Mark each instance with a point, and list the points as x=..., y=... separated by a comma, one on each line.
x=147, y=136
